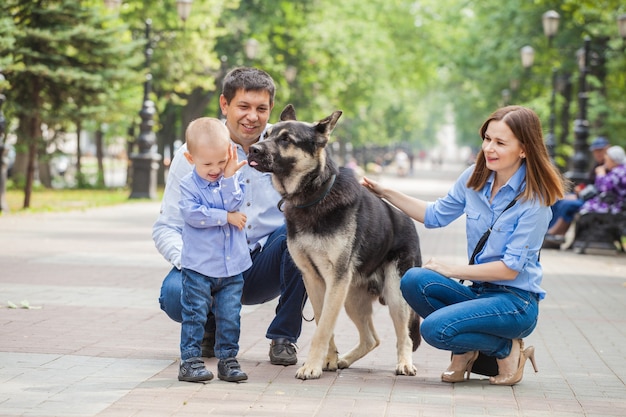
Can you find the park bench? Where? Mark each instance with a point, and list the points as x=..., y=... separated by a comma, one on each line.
x=599, y=231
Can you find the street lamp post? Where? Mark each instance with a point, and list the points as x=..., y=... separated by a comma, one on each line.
x=145, y=162
x=528, y=56
x=550, y=137
x=251, y=48
x=580, y=161
x=550, y=21
x=506, y=97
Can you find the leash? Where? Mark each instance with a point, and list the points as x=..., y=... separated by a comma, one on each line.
x=302, y=310
x=329, y=185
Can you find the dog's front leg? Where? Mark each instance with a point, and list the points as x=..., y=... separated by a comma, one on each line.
x=332, y=357
x=323, y=341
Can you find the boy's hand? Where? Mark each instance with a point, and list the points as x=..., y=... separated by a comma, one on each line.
x=233, y=164
x=237, y=219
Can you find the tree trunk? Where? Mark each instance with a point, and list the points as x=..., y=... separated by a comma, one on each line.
x=30, y=129
x=100, y=157
x=197, y=103
x=81, y=181
x=30, y=172
x=43, y=171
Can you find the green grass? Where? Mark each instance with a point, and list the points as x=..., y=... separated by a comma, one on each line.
x=53, y=200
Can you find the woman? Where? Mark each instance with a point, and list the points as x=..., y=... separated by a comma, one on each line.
x=500, y=307
x=610, y=184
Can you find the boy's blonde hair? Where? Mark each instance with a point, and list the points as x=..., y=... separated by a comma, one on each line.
x=206, y=131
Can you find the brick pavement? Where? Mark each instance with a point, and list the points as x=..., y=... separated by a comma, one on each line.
x=95, y=343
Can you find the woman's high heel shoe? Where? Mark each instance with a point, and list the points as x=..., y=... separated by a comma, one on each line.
x=512, y=379
x=459, y=376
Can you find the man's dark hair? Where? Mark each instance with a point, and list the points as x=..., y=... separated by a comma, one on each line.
x=247, y=79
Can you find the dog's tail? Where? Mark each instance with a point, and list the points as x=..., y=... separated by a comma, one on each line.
x=414, y=329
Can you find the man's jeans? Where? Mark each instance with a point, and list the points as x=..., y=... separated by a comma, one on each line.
x=460, y=319
x=272, y=274
x=221, y=296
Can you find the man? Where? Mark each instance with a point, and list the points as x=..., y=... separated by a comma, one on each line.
x=598, y=149
x=246, y=102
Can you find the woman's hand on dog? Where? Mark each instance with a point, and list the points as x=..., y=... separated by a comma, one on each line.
x=373, y=187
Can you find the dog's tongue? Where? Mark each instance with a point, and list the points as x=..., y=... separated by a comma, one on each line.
x=252, y=163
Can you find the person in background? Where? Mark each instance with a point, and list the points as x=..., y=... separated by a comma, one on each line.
x=610, y=184
x=246, y=102
x=565, y=210
x=509, y=190
x=214, y=252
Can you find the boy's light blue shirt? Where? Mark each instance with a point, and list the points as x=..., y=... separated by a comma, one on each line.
x=211, y=245
x=260, y=205
x=517, y=236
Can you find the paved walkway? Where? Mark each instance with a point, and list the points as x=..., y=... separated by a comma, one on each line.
x=93, y=341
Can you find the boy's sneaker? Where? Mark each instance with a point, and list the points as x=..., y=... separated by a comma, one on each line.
x=193, y=370
x=283, y=352
x=230, y=371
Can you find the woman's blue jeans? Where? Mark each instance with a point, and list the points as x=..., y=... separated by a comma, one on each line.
x=461, y=318
x=272, y=274
x=222, y=297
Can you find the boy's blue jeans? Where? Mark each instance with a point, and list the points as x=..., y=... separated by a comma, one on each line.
x=272, y=274
x=202, y=294
x=461, y=319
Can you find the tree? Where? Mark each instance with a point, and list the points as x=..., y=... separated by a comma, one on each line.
x=65, y=61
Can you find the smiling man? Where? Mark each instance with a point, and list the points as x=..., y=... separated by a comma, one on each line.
x=246, y=102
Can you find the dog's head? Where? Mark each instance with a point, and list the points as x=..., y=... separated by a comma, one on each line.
x=292, y=149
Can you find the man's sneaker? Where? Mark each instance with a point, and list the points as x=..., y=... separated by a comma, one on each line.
x=230, y=371
x=283, y=352
x=208, y=345
x=193, y=370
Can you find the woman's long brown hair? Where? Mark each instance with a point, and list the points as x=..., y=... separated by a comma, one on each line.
x=543, y=180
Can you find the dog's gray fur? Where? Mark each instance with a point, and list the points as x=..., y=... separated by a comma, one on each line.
x=351, y=246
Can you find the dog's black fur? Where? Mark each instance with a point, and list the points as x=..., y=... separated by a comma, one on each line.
x=351, y=246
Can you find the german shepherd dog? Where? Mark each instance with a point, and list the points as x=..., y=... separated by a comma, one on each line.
x=351, y=246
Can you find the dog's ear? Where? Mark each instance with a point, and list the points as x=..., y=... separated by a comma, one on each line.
x=326, y=126
x=288, y=113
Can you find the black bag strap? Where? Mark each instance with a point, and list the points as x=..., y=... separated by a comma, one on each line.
x=485, y=236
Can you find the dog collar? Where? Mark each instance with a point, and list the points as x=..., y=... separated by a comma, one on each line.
x=329, y=186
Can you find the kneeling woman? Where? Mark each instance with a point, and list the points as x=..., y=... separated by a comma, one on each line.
x=508, y=191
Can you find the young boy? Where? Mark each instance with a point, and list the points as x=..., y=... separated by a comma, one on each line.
x=215, y=251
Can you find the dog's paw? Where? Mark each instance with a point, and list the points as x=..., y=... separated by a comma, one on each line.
x=308, y=372
x=343, y=364
x=332, y=363
x=406, y=369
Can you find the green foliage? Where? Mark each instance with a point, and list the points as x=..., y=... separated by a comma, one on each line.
x=64, y=64
x=398, y=69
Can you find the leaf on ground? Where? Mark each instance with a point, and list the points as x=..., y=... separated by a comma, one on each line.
x=25, y=304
